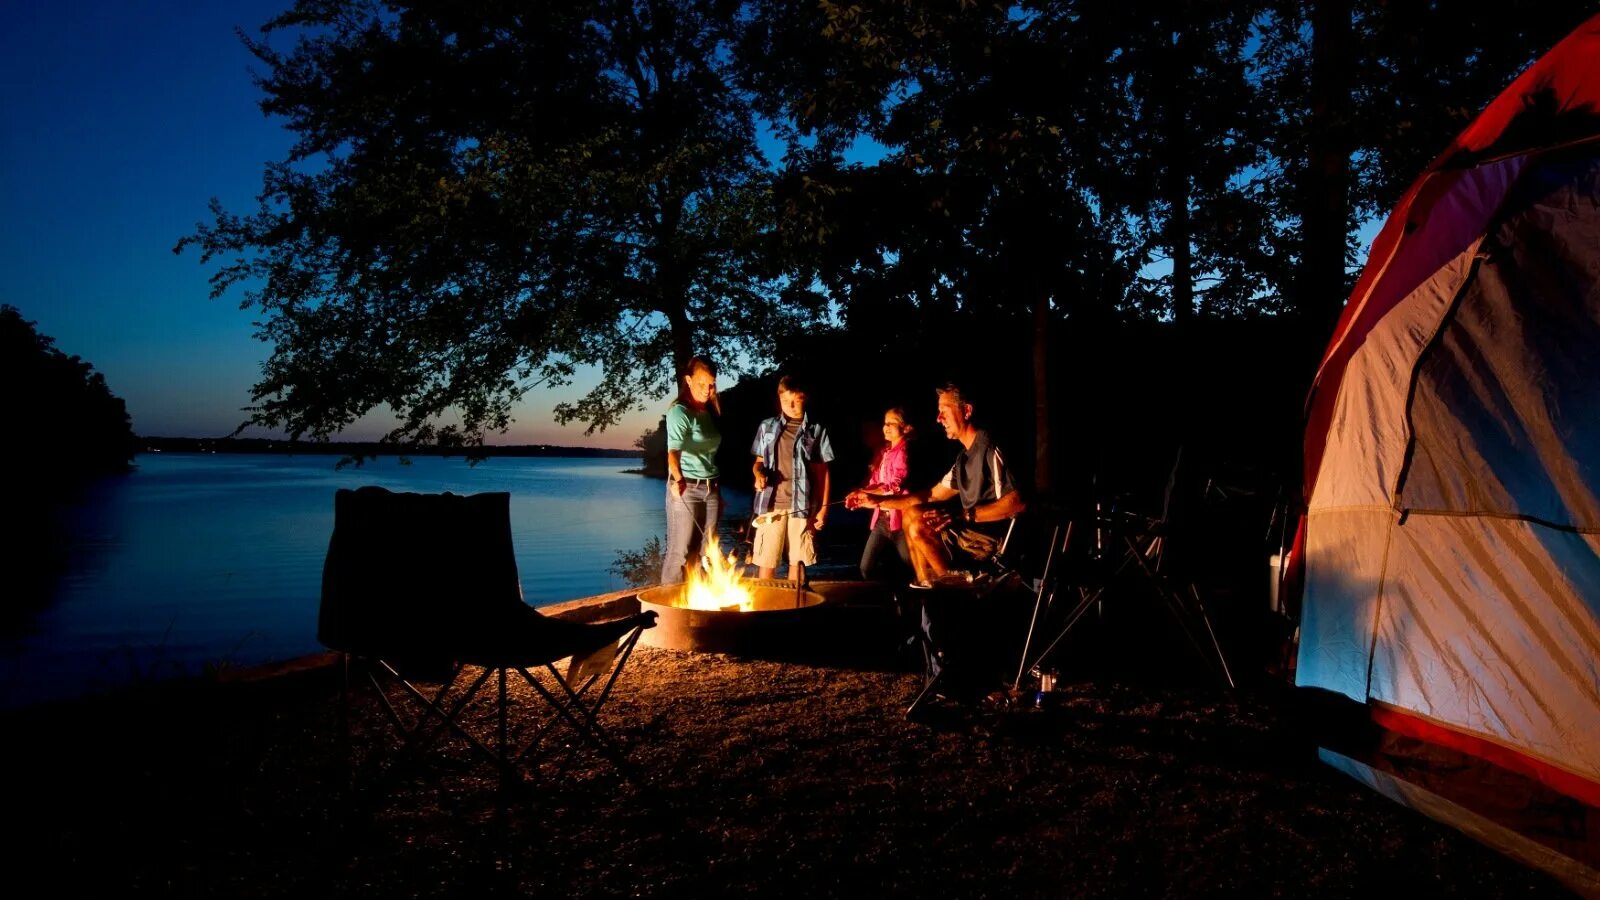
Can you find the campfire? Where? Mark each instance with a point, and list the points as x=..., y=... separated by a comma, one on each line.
x=720, y=610
x=716, y=585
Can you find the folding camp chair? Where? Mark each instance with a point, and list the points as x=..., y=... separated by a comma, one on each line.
x=423, y=584
x=1130, y=557
x=964, y=625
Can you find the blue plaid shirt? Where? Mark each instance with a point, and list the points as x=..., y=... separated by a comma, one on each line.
x=811, y=445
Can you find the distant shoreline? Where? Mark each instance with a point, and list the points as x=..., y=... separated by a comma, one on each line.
x=367, y=448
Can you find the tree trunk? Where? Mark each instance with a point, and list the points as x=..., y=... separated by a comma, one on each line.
x=1042, y=482
x=1179, y=229
x=1326, y=194
x=682, y=342
x=671, y=283
x=1179, y=223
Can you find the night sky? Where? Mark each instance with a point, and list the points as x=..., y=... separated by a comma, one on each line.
x=121, y=120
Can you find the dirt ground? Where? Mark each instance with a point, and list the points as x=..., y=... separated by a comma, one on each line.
x=769, y=777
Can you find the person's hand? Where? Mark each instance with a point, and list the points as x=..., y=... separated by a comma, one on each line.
x=761, y=481
x=819, y=520
x=936, y=519
x=852, y=500
x=676, y=486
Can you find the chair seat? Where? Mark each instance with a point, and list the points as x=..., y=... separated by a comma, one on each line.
x=534, y=639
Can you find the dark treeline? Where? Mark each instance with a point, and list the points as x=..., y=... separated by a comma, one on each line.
x=68, y=424
x=68, y=430
x=1130, y=226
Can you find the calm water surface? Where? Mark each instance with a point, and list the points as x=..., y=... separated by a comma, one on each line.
x=197, y=560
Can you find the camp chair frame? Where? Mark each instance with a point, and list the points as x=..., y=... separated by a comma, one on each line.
x=1141, y=550
x=457, y=603
x=567, y=707
x=997, y=571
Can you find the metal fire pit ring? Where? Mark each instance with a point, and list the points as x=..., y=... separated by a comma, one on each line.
x=782, y=614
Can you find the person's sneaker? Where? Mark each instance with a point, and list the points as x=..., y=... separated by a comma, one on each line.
x=920, y=586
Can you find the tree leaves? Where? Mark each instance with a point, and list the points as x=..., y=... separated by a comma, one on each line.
x=484, y=196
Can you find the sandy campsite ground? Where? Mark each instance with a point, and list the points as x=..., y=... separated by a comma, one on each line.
x=797, y=778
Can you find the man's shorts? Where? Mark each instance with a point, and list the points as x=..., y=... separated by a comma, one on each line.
x=967, y=543
x=793, y=532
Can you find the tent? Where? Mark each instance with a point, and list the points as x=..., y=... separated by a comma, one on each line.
x=1450, y=551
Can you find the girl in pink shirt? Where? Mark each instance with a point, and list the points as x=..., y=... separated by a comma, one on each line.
x=884, y=476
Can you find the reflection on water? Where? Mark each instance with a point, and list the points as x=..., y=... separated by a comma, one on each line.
x=46, y=542
x=197, y=560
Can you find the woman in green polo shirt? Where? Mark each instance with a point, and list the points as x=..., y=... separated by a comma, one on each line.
x=694, y=498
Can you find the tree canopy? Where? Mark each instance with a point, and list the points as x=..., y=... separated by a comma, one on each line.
x=484, y=197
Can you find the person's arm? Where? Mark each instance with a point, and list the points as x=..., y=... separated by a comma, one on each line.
x=1007, y=507
x=823, y=478
x=675, y=471
x=677, y=426
x=932, y=516
x=758, y=469
x=939, y=493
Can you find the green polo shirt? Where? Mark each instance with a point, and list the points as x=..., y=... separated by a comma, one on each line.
x=696, y=435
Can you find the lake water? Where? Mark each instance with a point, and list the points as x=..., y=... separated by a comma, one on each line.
x=204, y=559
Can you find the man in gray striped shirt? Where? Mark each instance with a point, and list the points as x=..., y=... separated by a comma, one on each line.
x=939, y=537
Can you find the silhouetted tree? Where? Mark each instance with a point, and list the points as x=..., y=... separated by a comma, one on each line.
x=1188, y=155
x=76, y=426
x=1363, y=95
x=487, y=196
x=979, y=231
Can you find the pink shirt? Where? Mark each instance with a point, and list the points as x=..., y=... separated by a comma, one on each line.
x=887, y=475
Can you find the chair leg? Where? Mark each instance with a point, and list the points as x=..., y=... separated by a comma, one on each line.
x=346, y=743
x=927, y=691
x=530, y=751
x=616, y=668
x=591, y=710
x=576, y=707
x=415, y=741
x=504, y=738
x=422, y=733
x=586, y=727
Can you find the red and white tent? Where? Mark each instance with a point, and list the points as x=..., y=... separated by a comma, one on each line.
x=1451, y=545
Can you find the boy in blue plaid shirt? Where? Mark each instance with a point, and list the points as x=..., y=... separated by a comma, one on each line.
x=792, y=483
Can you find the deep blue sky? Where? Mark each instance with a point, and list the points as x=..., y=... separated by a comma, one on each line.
x=119, y=120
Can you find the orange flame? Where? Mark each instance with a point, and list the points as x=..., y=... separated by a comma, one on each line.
x=715, y=585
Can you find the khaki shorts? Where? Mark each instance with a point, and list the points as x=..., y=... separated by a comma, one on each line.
x=791, y=531
x=969, y=543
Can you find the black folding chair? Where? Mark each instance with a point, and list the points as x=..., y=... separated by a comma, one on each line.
x=965, y=625
x=423, y=585
x=1130, y=557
